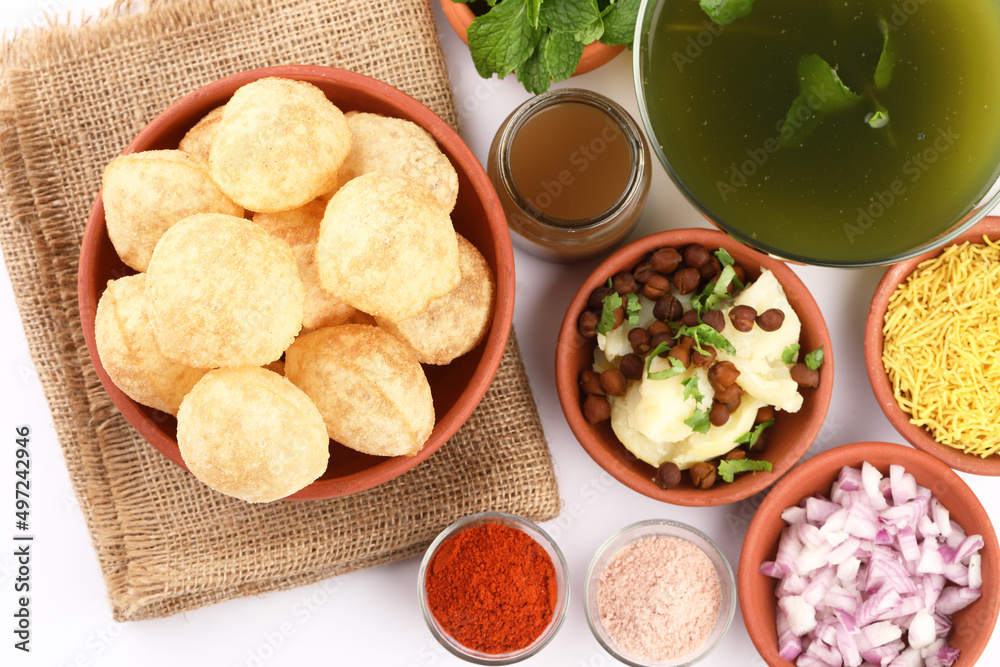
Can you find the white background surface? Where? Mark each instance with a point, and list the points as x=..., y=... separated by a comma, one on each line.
x=372, y=617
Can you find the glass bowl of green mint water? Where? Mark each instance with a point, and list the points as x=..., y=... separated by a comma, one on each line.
x=834, y=132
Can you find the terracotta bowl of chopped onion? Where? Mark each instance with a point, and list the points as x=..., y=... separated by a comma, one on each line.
x=870, y=552
x=781, y=445
x=907, y=366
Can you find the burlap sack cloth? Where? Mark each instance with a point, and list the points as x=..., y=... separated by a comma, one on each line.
x=70, y=100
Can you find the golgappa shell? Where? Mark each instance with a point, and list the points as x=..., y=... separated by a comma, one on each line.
x=251, y=434
x=369, y=387
x=278, y=145
x=387, y=246
x=146, y=193
x=129, y=352
x=223, y=292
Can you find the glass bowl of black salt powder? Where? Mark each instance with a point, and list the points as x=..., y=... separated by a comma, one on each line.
x=659, y=594
x=493, y=588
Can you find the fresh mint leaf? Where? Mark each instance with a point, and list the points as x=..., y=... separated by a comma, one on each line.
x=815, y=359
x=788, y=356
x=632, y=308
x=534, y=6
x=751, y=437
x=886, y=61
x=501, y=40
x=568, y=15
x=676, y=368
x=619, y=22
x=591, y=32
x=821, y=92
x=699, y=421
x=534, y=73
x=703, y=333
x=562, y=55
x=725, y=12
x=691, y=389
x=728, y=469
x=612, y=302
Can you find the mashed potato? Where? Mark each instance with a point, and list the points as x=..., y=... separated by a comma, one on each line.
x=651, y=418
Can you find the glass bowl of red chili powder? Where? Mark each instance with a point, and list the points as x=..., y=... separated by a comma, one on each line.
x=659, y=593
x=493, y=588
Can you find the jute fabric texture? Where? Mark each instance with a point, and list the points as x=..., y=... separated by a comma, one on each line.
x=71, y=98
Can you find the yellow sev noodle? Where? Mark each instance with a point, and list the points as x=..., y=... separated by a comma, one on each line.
x=942, y=347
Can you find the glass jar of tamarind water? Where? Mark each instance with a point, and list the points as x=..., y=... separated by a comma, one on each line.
x=571, y=168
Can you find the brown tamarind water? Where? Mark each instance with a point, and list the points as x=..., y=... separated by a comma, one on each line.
x=834, y=131
x=571, y=161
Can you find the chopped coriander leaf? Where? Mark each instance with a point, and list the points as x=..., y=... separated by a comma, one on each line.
x=751, y=437
x=788, y=356
x=632, y=308
x=724, y=257
x=676, y=368
x=703, y=333
x=612, y=302
x=727, y=469
x=691, y=389
x=654, y=353
x=815, y=359
x=715, y=291
x=699, y=421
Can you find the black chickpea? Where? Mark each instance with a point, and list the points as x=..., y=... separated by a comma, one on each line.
x=743, y=317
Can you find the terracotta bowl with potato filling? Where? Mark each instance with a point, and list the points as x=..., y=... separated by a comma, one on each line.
x=457, y=388
x=787, y=440
x=972, y=626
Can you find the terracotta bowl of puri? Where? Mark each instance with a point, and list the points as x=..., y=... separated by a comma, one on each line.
x=784, y=442
x=972, y=626
x=595, y=54
x=456, y=388
x=917, y=435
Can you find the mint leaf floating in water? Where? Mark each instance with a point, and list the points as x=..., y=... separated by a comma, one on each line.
x=503, y=39
x=821, y=92
x=725, y=12
x=878, y=119
x=886, y=61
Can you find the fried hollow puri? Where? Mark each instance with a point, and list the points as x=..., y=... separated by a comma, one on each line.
x=381, y=143
x=386, y=246
x=456, y=322
x=252, y=434
x=198, y=140
x=369, y=387
x=223, y=292
x=278, y=145
x=129, y=352
x=300, y=229
x=145, y=193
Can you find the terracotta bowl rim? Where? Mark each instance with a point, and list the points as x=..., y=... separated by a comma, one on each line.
x=798, y=484
x=568, y=389
x=496, y=339
x=879, y=379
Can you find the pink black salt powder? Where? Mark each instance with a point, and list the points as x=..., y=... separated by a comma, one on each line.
x=659, y=598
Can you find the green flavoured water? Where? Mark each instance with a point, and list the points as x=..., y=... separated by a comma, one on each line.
x=840, y=131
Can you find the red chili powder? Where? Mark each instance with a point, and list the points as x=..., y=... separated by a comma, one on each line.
x=492, y=588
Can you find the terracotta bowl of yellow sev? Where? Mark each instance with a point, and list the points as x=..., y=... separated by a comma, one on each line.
x=932, y=350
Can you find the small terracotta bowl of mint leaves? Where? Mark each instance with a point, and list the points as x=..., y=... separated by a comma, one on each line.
x=761, y=453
